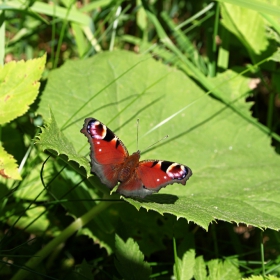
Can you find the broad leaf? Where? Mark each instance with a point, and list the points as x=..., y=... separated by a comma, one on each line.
x=19, y=87
x=235, y=171
x=248, y=26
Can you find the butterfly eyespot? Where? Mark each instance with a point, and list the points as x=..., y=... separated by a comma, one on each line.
x=96, y=130
x=174, y=170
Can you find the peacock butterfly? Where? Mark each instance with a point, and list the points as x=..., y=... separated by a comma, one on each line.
x=111, y=162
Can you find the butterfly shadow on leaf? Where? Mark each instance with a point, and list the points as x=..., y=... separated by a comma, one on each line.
x=159, y=198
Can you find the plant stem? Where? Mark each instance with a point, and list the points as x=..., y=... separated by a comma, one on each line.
x=65, y=234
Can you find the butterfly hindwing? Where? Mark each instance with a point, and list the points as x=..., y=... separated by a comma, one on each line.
x=152, y=175
x=108, y=153
x=156, y=174
x=133, y=187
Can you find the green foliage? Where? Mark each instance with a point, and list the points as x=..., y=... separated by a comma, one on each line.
x=130, y=260
x=8, y=166
x=226, y=174
x=19, y=87
x=268, y=277
x=52, y=138
x=189, y=267
x=184, y=266
x=252, y=36
x=205, y=74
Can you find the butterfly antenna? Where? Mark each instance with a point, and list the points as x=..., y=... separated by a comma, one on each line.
x=166, y=136
x=137, y=133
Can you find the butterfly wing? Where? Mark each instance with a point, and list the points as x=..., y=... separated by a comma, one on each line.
x=133, y=187
x=108, y=153
x=152, y=175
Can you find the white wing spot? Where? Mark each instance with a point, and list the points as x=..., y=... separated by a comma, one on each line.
x=158, y=180
x=99, y=150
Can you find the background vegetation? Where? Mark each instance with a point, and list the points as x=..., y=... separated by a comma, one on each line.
x=205, y=73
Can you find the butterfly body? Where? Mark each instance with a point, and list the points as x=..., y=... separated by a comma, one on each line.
x=129, y=167
x=111, y=162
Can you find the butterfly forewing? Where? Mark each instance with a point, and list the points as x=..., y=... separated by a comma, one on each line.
x=108, y=153
x=106, y=147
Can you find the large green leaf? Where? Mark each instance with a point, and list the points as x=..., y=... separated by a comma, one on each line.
x=235, y=171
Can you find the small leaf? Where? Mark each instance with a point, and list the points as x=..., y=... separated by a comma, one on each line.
x=213, y=267
x=19, y=87
x=223, y=270
x=52, y=138
x=185, y=266
x=130, y=260
x=276, y=56
x=8, y=166
x=84, y=270
x=199, y=269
